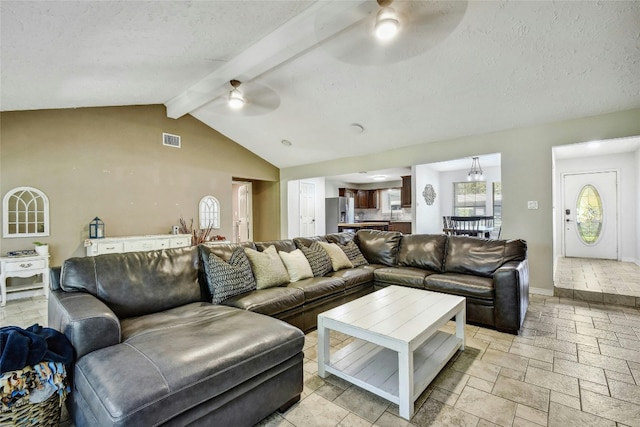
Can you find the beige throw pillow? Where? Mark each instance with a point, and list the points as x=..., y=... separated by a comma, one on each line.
x=339, y=259
x=297, y=265
x=267, y=267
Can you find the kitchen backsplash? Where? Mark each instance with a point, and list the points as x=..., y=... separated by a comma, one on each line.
x=376, y=214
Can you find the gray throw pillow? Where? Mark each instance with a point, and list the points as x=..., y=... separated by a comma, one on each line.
x=353, y=253
x=226, y=280
x=267, y=267
x=318, y=259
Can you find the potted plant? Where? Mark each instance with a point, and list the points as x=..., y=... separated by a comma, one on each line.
x=42, y=248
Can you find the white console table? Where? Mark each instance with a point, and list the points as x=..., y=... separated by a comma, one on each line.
x=23, y=266
x=114, y=245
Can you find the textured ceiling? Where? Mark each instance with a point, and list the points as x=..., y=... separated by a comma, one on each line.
x=484, y=66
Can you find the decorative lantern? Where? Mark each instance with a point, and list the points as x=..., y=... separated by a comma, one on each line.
x=96, y=229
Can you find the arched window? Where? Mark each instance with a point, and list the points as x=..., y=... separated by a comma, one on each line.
x=26, y=213
x=209, y=212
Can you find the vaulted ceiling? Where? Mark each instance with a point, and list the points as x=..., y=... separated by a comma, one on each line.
x=311, y=71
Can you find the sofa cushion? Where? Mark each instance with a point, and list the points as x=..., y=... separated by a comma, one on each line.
x=137, y=283
x=307, y=241
x=318, y=287
x=423, y=251
x=379, y=247
x=297, y=265
x=461, y=284
x=470, y=255
x=168, y=358
x=353, y=276
x=270, y=301
x=222, y=250
x=405, y=276
x=353, y=253
x=285, y=245
x=339, y=259
x=341, y=238
x=318, y=259
x=226, y=279
x=267, y=267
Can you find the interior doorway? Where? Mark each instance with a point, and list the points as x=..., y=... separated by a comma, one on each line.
x=307, y=209
x=242, y=211
x=590, y=215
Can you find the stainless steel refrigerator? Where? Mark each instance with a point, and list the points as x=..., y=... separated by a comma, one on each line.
x=338, y=210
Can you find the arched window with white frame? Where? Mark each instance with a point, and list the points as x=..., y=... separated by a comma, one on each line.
x=209, y=212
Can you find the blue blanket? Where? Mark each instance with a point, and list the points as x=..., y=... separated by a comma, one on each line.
x=21, y=347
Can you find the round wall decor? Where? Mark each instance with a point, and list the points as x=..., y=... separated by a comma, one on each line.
x=429, y=194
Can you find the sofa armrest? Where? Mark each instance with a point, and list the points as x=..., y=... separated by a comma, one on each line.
x=511, y=284
x=85, y=320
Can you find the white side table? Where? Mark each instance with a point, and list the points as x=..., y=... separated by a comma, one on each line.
x=25, y=266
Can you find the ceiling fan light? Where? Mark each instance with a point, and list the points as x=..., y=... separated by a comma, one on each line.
x=236, y=100
x=387, y=24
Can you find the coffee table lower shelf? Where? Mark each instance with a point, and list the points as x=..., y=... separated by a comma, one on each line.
x=375, y=368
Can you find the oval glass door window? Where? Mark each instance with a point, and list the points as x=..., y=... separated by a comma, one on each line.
x=589, y=214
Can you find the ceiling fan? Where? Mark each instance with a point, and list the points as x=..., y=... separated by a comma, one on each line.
x=245, y=99
x=410, y=27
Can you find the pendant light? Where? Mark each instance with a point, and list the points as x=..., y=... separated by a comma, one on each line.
x=236, y=100
x=475, y=173
x=387, y=23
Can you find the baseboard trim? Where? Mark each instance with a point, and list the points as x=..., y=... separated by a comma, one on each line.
x=633, y=260
x=541, y=291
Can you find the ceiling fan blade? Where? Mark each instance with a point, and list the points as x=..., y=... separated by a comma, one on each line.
x=424, y=24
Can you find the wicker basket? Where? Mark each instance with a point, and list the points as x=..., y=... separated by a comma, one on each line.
x=45, y=414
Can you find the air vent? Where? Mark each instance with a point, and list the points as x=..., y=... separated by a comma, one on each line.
x=171, y=140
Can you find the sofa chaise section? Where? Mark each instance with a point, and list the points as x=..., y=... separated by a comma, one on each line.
x=162, y=354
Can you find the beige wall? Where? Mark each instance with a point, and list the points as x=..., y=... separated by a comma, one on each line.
x=526, y=174
x=110, y=162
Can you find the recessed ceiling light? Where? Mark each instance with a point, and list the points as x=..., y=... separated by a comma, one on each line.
x=286, y=143
x=379, y=177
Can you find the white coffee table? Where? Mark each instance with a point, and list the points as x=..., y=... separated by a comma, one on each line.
x=399, y=348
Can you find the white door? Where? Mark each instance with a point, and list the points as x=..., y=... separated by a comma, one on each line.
x=242, y=212
x=307, y=209
x=591, y=215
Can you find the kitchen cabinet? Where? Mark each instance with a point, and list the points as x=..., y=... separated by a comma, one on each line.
x=347, y=192
x=404, y=227
x=405, y=193
x=366, y=199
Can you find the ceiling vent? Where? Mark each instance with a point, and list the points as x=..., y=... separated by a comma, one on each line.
x=171, y=140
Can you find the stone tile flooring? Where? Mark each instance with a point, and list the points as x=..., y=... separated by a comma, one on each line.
x=575, y=363
x=598, y=280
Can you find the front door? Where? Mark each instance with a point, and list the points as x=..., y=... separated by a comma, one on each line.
x=307, y=209
x=591, y=215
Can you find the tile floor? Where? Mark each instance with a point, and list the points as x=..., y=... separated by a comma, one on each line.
x=575, y=363
x=598, y=280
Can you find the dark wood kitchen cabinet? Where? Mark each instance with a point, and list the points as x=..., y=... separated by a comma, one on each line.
x=405, y=193
x=403, y=227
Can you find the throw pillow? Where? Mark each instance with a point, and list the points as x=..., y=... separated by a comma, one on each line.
x=297, y=265
x=268, y=268
x=339, y=259
x=227, y=279
x=318, y=259
x=353, y=253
